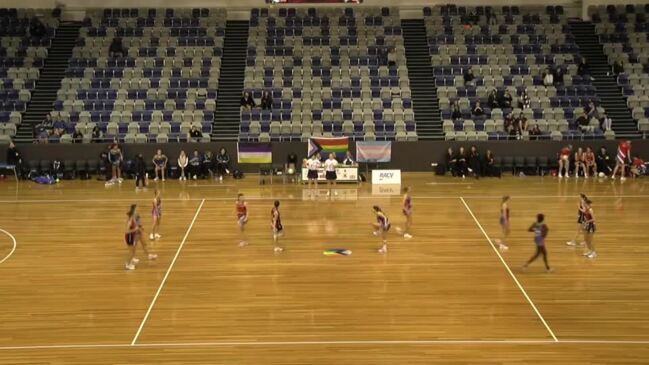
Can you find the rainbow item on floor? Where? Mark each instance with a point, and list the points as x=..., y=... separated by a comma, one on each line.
x=337, y=252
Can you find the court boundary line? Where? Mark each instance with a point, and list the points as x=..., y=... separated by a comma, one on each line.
x=166, y=276
x=333, y=342
x=511, y=273
x=13, y=248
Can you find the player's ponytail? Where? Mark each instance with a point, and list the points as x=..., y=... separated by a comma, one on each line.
x=131, y=211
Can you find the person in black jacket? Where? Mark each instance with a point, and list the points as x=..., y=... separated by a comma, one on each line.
x=195, y=165
x=222, y=163
x=475, y=163
x=451, y=161
x=140, y=172
x=603, y=161
x=461, y=162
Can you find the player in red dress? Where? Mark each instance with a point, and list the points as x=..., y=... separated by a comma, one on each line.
x=589, y=162
x=579, y=163
x=276, y=225
x=564, y=161
x=622, y=159
x=504, y=223
x=242, y=218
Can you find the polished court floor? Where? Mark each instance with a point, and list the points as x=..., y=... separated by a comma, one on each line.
x=445, y=296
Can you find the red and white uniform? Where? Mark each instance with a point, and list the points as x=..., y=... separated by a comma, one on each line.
x=407, y=206
x=242, y=212
x=623, y=152
x=565, y=153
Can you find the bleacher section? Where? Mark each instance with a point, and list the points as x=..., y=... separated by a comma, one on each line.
x=328, y=75
x=507, y=48
x=165, y=84
x=21, y=56
x=623, y=31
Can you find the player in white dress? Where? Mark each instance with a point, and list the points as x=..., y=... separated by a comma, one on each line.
x=330, y=173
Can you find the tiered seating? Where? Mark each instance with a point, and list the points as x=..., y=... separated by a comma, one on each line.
x=21, y=56
x=507, y=48
x=624, y=30
x=327, y=74
x=165, y=84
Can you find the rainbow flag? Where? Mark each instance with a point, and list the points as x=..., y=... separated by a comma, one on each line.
x=325, y=145
x=254, y=153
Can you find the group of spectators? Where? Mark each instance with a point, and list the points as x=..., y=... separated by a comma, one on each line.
x=57, y=128
x=461, y=163
x=247, y=102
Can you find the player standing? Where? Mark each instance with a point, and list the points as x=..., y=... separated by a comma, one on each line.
x=381, y=228
x=540, y=230
x=623, y=157
x=589, y=229
x=564, y=161
x=276, y=224
x=312, y=165
x=407, y=212
x=330, y=166
x=156, y=215
x=580, y=220
x=505, y=227
x=242, y=218
x=133, y=235
x=160, y=162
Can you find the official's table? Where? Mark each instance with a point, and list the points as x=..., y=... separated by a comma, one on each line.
x=344, y=174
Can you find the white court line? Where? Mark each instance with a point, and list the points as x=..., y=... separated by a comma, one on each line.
x=329, y=343
x=509, y=270
x=164, y=279
x=14, y=244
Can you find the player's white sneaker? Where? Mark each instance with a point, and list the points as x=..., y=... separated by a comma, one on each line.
x=135, y=261
x=278, y=249
x=503, y=247
x=129, y=267
x=560, y=176
x=376, y=233
x=383, y=250
x=571, y=243
x=587, y=253
x=152, y=256
x=592, y=255
x=156, y=179
x=157, y=236
x=120, y=180
x=623, y=178
x=407, y=236
x=163, y=179
x=151, y=236
x=243, y=243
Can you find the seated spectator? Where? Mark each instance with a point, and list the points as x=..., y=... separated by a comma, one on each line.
x=548, y=78
x=606, y=123
x=195, y=165
x=475, y=162
x=591, y=110
x=222, y=163
x=247, y=102
x=48, y=123
x=43, y=136
x=96, y=134
x=508, y=122
x=456, y=113
x=37, y=29
x=392, y=57
x=461, y=161
x=535, y=132
x=524, y=100
x=603, y=162
x=477, y=110
x=489, y=165
x=77, y=136
x=582, y=68
x=583, y=123
x=266, y=101
x=183, y=161
x=558, y=76
x=505, y=100
x=468, y=78
x=492, y=100
x=116, y=48
x=451, y=161
x=349, y=159
x=208, y=164
x=195, y=135
x=638, y=167
x=59, y=128
x=618, y=68
x=521, y=123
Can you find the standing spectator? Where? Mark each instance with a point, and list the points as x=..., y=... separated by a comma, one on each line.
x=222, y=163
x=469, y=78
x=475, y=166
x=618, y=68
x=524, y=100
x=492, y=99
x=247, y=102
x=116, y=48
x=603, y=161
x=456, y=113
x=13, y=157
x=606, y=124
x=195, y=165
x=266, y=101
x=392, y=57
x=195, y=135
x=548, y=78
x=477, y=110
x=140, y=172
x=183, y=161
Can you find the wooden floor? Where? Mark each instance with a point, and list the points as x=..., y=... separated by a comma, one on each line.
x=446, y=296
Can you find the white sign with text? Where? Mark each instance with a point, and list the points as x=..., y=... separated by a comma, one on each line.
x=386, y=176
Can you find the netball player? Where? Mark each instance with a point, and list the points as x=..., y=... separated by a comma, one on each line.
x=589, y=229
x=330, y=173
x=504, y=223
x=276, y=224
x=242, y=218
x=564, y=161
x=589, y=161
x=381, y=228
x=579, y=163
x=622, y=159
x=540, y=230
x=160, y=163
x=156, y=215
x=115, y=158
x=406, y=208
x=580, y=220
x=132, y=236
x=312, y=165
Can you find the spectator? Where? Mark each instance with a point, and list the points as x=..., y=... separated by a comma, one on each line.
x=622, y=159
x=247, y=102
x=535, y=132
x=548, y=78
x=195, y=165
x=349, y=159
x=582, y=69
x=603, y=162
x=606, y=124
x=291, y=163
x=521, y=123
x=508, y=123
x=469, y=78
x=583, y=123
x=638, y=167
x=13, y=156
x=77, y=136
x=477, y=110
x=524, y=100
x=490, y=168
x=195, y=135
x=140, y=172
x=558, y=76
x=37, y=29
x=591, y=111
x=392, y=57
x=47, y=123
x=96, y=134
x=456, y=113
x=451, y=161
x=382, y=54
x=618, y=68
x=492, y=99
x=266, y=101
x=461, y=159
x=222, y=163
x=116, y=48
x=58, y=128
x=208, y=164
x=43, y=136
x=183, y=161
x=507, y=100
x=475, y=163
